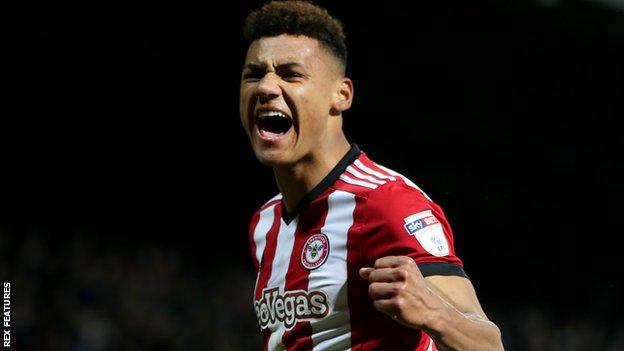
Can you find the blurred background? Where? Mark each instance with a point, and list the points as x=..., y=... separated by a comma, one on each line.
x=128, y=183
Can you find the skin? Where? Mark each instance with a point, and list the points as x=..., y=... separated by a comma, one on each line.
x=445, y=307
x=299, y=77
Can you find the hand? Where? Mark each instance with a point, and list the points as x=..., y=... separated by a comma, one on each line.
x=399, y=290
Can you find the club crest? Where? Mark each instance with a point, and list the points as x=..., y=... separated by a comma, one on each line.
x=315, y=251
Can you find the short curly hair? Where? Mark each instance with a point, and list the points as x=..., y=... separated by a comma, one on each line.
x=297, y=17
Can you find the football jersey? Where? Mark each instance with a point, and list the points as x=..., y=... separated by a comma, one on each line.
x=308, y=293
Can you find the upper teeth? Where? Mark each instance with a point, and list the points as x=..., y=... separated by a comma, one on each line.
x=263, y=114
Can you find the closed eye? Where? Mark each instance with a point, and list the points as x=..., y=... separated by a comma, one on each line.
x=289, y=72
x=290, y=75
x=253, y=75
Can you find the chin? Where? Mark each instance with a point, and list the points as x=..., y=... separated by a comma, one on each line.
x=274, y=159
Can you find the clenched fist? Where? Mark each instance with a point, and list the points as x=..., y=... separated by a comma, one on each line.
x=398, y=289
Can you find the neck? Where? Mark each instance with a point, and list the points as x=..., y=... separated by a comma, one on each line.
x=296, y=181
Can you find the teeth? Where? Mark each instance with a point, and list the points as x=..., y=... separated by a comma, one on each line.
x=263, y=114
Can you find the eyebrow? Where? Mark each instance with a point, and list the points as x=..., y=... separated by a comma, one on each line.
x=254, y=66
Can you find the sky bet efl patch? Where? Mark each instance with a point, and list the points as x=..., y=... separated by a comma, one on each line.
x=428, y=231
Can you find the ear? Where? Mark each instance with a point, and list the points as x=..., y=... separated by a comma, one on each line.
x=343, y=96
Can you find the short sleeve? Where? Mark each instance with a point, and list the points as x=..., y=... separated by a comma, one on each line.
x=400, y=221
x=252, y=243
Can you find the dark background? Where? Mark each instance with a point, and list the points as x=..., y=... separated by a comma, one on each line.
x=128, y=182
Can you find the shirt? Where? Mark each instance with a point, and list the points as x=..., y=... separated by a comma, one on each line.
x=308, y=293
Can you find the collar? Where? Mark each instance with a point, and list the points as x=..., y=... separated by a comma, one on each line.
x=329, y=179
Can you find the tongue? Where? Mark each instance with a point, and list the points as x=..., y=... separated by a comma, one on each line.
x=270, y=135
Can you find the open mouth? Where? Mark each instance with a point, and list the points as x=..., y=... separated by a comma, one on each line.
x=273, y=124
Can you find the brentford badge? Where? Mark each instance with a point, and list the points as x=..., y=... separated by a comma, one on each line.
x=315, y=251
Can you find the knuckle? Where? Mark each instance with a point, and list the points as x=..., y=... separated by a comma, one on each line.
x=375, y=289
x=371, y=289
x=398, y=288
x=402, y=274
x=371, y=276
x=398, y=302
x=380, y=263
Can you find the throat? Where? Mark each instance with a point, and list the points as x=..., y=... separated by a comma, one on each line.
x=295, y=183
x=304, y=181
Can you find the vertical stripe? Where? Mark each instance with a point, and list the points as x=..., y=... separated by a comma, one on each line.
x=309, y=223
x=334, y=331
x=360, y=310
x=262, y=228
x=266, y=257
x=253, y=225
x=284, y=247
x=261, y=231
x=430, y=348
x=285, y=241
x=275, y=340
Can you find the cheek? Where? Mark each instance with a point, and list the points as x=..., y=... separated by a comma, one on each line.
x=317, y=107
x=243, y=106
x=313, y=126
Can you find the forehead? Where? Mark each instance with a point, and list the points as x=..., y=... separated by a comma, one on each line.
x=285, y=47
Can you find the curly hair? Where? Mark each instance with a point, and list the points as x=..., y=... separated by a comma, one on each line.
x=297, y=17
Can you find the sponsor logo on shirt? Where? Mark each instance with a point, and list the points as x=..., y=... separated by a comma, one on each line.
x=289, y=308
x=420, y=223
x=426, y=228
x=315, y=251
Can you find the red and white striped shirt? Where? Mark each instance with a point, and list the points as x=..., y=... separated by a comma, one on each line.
x=308, y=294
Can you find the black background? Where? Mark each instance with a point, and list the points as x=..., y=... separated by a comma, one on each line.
x=124, y=128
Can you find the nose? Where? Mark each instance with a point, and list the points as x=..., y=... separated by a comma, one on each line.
x=268, y=87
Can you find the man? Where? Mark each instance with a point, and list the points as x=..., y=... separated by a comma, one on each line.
x=350, y=255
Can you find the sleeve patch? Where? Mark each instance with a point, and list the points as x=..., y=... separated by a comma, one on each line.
x=428, y=231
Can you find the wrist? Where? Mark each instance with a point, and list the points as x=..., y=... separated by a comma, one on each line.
x=437, y=321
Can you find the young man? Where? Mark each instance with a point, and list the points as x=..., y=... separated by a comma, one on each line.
x=350, y=255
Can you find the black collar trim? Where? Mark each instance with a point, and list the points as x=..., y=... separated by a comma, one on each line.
x=329, y=179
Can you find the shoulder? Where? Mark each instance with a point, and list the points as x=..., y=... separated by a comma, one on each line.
x=270, y=203
x=398, y=202
x=380, y=185
x=273, y=201
x=398, y=219
x=387, y=198
x=266, y=207
x=366, y=178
